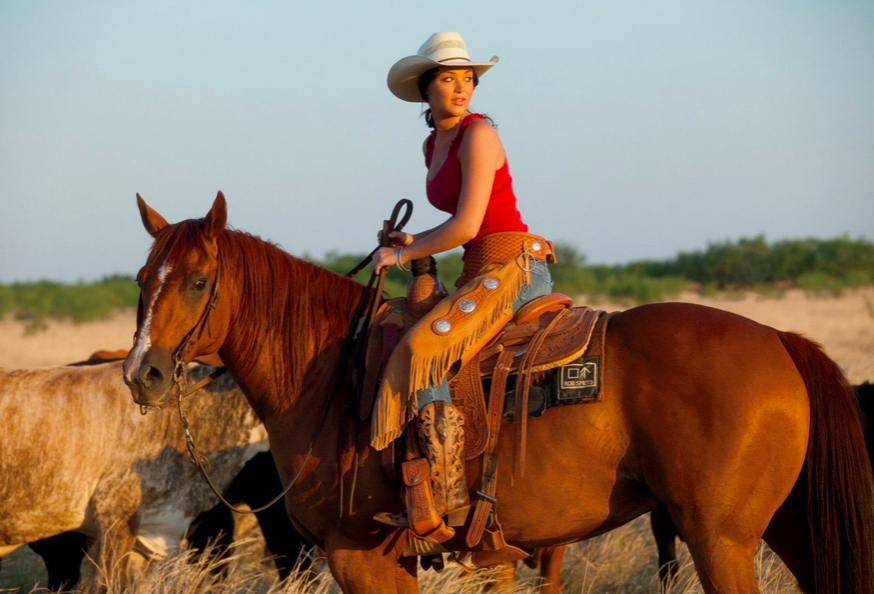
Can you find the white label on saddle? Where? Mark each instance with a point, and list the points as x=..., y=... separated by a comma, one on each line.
x=579, y=380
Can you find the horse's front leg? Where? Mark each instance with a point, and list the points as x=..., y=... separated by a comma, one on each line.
x=376, y=569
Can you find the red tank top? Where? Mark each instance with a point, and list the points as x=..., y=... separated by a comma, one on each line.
x=443, y=191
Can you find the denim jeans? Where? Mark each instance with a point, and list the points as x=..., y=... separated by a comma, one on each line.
x=541, y=284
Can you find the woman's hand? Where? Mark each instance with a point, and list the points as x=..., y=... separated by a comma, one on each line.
x=383, y=258
x=397, y=238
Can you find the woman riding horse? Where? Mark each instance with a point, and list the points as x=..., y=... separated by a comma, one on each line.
x=469, y=178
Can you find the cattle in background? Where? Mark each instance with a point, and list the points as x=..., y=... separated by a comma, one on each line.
x=254, y=486
x=77, y=455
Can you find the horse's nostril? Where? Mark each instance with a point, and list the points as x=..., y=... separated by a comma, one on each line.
x=151, y=376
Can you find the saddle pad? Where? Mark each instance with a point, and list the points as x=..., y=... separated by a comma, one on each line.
x=577, y=382
x=563, y=348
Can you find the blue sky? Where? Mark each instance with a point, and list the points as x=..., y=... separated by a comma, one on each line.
x=633, y=129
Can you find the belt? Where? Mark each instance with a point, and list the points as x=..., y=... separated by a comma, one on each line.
x=497, y=248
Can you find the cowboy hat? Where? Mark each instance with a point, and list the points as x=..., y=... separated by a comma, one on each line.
x=441, y=49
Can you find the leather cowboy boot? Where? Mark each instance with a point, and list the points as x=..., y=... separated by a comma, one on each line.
x=433, y=484
x=441, y=440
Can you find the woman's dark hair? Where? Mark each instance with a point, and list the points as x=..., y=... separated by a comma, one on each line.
x=425, y=79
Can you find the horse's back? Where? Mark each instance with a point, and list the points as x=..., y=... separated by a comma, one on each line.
x=686, y=327
x=699, y=352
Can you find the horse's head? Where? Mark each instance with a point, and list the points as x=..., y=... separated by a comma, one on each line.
x=181, y=316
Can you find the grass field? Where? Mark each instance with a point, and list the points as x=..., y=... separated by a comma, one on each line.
x=623, y=561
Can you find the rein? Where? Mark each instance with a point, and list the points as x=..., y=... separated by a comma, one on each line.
x=355, y=338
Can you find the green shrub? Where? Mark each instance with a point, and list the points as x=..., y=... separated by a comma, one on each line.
x=641, y=289
x=859, y=278
x=818, y=282
x=36, y=302
x=7, y=300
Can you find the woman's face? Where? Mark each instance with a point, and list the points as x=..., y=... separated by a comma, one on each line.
x=449, y=94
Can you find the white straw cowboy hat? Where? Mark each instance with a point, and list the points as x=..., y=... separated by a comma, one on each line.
x=441, y=49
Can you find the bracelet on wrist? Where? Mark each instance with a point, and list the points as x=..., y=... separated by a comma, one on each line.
x=399, y=252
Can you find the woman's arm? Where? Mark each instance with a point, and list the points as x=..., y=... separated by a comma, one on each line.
x=479, y=154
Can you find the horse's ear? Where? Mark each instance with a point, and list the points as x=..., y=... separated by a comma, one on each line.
x=215, y=220
x=152, y=221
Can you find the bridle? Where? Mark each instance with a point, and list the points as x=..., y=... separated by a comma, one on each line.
x=182, y=391
x=357, y=335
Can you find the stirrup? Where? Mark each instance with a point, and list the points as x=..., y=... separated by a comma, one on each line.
x=440, y=533
x=457, y=517
x=397, y=520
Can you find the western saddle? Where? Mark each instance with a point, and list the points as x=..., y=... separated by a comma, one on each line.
x=545, y=334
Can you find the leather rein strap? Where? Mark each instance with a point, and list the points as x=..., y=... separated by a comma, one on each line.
x=355, y=348
x=395, y=226
x=355, y=338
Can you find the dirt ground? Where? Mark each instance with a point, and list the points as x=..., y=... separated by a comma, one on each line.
x=63, y=342
x=844, y=326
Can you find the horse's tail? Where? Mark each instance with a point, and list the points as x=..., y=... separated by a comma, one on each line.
x=840, y=491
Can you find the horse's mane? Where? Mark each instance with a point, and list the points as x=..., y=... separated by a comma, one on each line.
x=292, y=306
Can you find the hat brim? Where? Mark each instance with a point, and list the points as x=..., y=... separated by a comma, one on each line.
x=403, y=78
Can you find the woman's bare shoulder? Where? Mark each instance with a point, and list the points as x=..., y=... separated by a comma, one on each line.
x=481, y=133
x=482, y=124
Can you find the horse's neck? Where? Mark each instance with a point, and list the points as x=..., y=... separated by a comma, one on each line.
x=276, y=388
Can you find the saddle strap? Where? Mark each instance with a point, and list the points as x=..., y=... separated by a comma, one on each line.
x=523, y=386
x=488, y=485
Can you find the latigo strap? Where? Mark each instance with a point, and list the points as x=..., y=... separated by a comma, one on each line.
x=488, y=486
x=523, y=386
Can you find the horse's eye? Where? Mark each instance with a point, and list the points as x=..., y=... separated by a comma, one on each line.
x=200, y=285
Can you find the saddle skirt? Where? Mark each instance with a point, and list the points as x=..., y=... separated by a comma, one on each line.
x=534, y=336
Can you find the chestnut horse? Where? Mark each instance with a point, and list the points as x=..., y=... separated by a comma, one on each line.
x=742, y=431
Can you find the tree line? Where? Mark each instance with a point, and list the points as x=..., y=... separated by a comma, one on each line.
x=816, y=265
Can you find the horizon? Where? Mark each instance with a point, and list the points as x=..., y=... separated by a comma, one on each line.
x=457, y=252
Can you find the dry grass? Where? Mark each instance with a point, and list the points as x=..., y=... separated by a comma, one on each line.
x=623, y=561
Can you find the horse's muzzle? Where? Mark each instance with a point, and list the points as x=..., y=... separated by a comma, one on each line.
x=151, y=382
